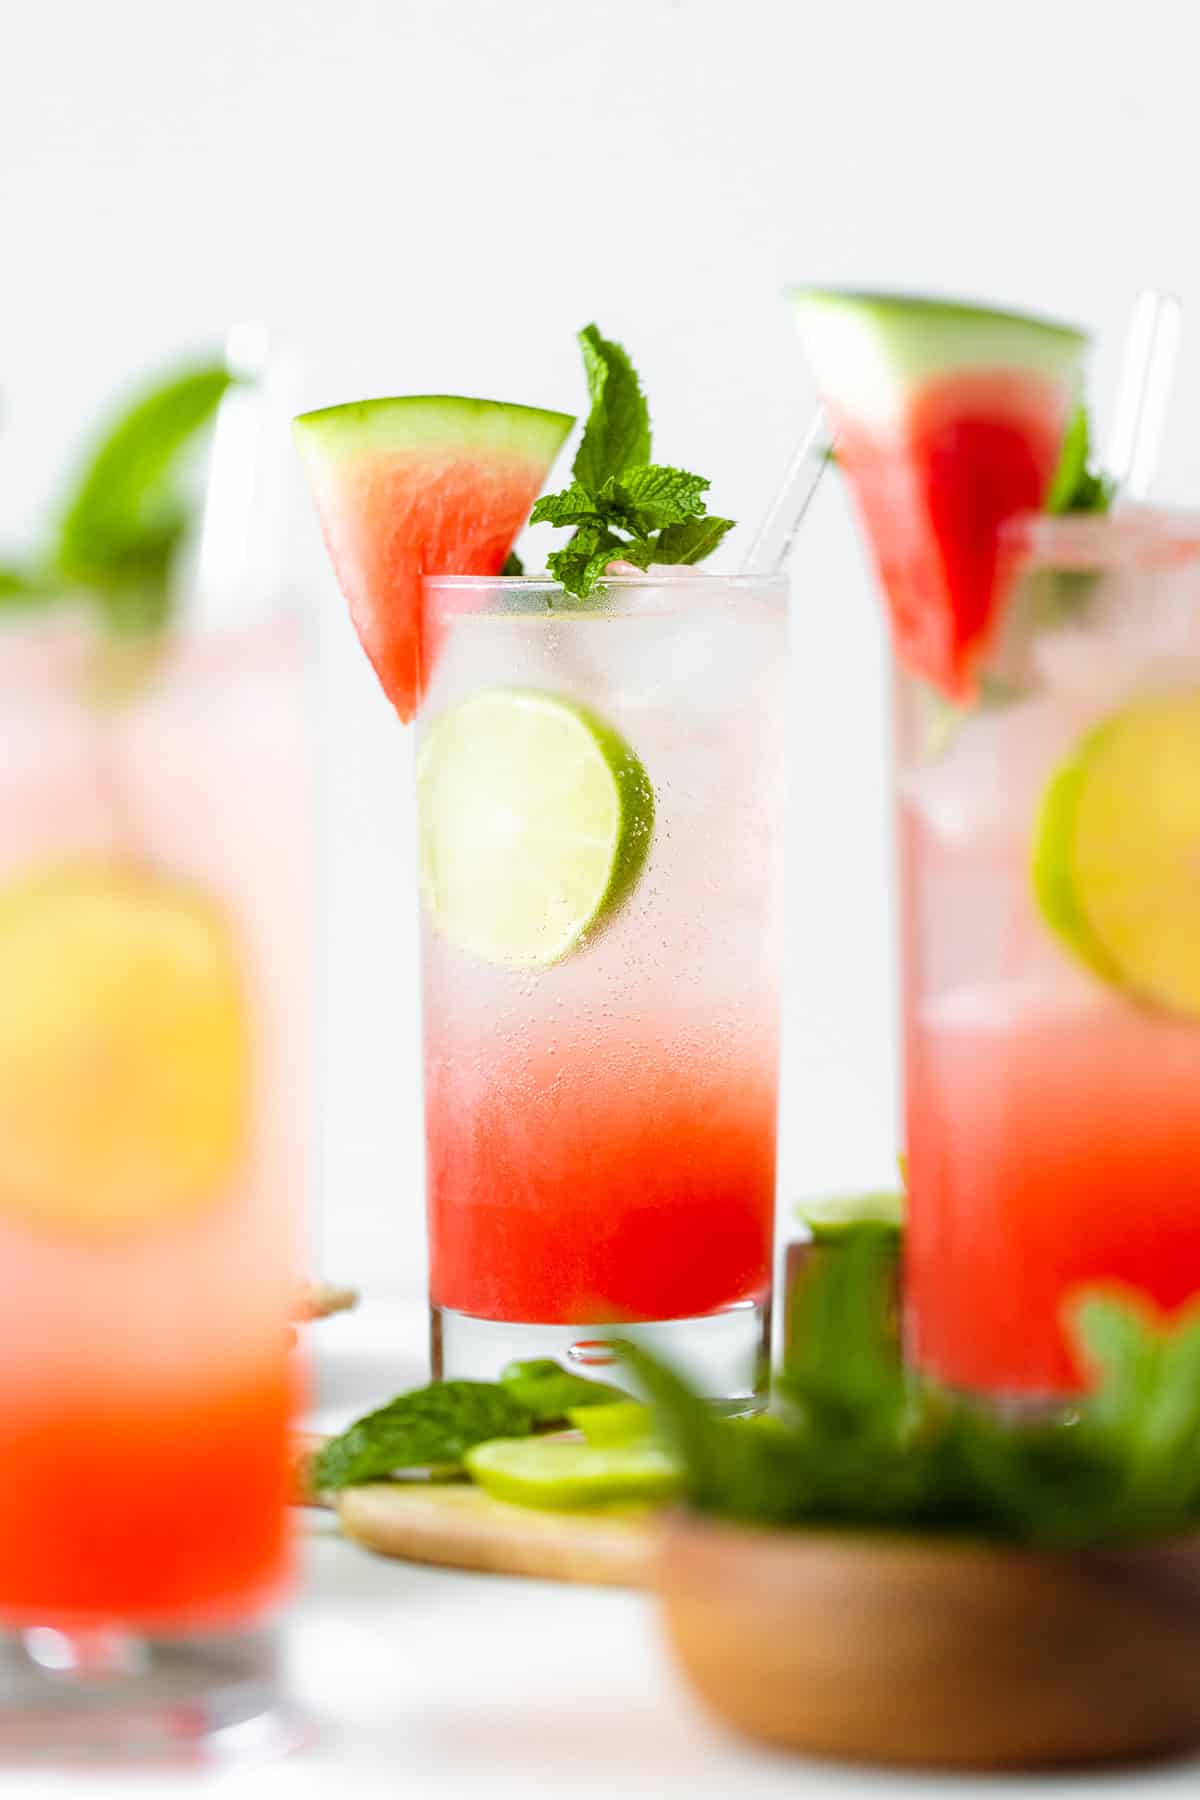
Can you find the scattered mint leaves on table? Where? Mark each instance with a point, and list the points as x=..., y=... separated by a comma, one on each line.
x=427, y=1428
x=551, y=1392
x=435, y=1426
x=856, y=1440
x=622, y=506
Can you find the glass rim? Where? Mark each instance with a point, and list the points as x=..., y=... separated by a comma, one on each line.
x=676, y=577
x=1129, y=536
x=61, y=651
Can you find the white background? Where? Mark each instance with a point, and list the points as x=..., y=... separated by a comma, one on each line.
x=433, y=195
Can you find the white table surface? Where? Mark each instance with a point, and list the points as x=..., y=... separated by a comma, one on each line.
x=426, y=1682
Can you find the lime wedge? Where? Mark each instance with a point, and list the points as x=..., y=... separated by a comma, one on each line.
x=618, y=1422
x=535, y=821
x=123, y=1050
x=1116, y=860
x=557, y=1474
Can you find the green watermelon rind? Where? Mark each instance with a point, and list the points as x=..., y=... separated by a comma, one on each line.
x=433, y=422
x=853, y=337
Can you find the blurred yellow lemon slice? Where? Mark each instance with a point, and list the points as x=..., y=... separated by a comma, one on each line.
x=123, y=1049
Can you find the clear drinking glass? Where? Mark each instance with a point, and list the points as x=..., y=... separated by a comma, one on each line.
x=1049, y=843
x=601, y=1130
x=154, y=977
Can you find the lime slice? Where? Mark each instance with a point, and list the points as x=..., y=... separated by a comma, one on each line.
x=557, y=1474
x=618, y=1422
x=535, y=821
x=123, y=1052
x=833, y=1215
x=1116, y=861
x=1053, y=877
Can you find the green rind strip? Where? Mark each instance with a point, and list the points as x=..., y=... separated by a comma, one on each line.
x=434, y=421
x=917, y=338
x=929, y=311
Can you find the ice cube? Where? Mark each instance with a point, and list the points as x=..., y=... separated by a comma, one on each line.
x=986, y=788
x=1050, y=988
x=1107, y=671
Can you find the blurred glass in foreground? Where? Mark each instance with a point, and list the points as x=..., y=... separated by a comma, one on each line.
x=154, y=976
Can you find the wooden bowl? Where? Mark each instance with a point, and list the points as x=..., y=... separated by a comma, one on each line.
x=936, y=1653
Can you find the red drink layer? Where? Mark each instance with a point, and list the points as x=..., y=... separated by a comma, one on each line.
x=144, y=1510
x=561, y=1191
x=1043, y=1157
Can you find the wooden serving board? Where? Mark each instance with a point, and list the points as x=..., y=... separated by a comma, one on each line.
x=458, y=1526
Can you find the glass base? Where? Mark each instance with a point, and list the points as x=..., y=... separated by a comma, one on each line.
x=101, y=1696
x=723, y=1355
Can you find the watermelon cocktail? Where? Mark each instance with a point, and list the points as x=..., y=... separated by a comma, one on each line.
x=153, y=972
x=1050, y=856
x=601, y=835
x=599, y=773
x=1047, y=702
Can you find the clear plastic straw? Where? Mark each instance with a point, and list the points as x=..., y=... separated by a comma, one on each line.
x=776, y=537
x=1143, y=393
x=238, y=562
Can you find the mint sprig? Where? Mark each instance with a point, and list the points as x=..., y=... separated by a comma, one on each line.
x=622, y=506
x=856, y=1440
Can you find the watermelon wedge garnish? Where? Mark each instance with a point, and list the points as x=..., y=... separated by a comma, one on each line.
x=949, y=422
x=426, y=485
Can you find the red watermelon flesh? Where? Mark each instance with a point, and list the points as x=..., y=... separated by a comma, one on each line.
x=949, y=423
x=426, y=485
x=968, y=455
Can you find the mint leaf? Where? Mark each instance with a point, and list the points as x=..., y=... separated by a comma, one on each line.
x=1077, y=487
x=573, y=506
x=1122, y=1350
x=550, y=1391
x=23, y=586
x=654, y=496
x=691, y=540
x=617, y=434
x=575, y=564
x=581, y=564
x=512, y=564
x=124, y=521
x=428, y=1427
